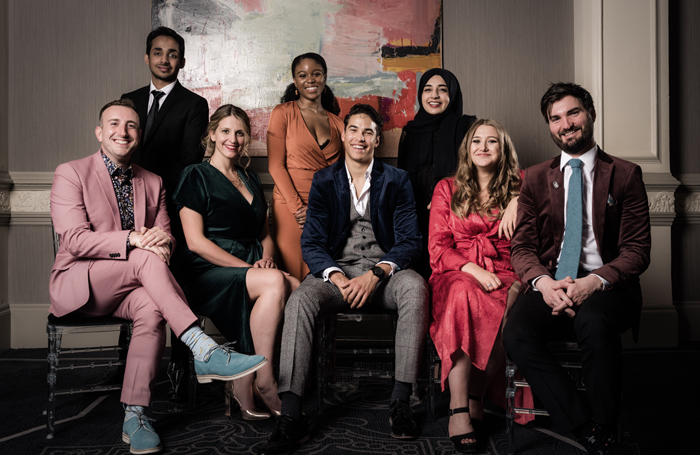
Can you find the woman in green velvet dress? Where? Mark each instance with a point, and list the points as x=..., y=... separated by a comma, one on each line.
x=226, y=268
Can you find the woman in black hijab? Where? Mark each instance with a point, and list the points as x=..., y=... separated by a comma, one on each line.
x=429, y=144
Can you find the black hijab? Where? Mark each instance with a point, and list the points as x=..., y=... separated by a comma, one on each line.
x=417, y=147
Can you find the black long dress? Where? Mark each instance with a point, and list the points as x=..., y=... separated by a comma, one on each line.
x=428, y=151
x=235, y=226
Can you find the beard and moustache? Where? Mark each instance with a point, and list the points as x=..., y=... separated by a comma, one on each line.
x=576, y=146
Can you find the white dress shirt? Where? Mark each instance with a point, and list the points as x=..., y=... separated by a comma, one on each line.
x=590, y=258
x=166, y=91
x=360, y=202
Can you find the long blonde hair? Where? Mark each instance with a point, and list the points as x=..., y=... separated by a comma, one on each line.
x=504, y=186
x=228, y=110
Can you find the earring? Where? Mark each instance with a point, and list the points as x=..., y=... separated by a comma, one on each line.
x=296, y=92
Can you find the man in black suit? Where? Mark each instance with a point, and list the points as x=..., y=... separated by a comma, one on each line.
x=172, y=134
x=173, y=120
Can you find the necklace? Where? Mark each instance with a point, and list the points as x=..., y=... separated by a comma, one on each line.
x=237, y=182
x=307, y=108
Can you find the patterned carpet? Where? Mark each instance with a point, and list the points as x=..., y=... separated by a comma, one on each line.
x=355, y=418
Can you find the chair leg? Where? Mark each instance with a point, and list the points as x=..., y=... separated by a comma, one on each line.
x=431, y=384
x=511, y=367
x=321, y=363
x=192, y=397
x=52, y=360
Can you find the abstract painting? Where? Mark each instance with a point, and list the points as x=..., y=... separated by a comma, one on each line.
x=240, y=51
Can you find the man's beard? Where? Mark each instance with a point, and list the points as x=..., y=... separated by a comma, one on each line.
x=579, y=145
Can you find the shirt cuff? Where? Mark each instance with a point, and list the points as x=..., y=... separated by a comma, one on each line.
x=393, y=266
x=328, y=271
x=128, y=244
x=534, y=288
x=606, y=283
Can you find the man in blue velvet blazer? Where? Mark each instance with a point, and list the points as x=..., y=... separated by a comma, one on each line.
x=360, y=237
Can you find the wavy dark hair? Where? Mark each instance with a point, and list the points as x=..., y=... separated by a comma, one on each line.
x=228, y=110
x=328, y=99
x=560, y=90
x=504, y=186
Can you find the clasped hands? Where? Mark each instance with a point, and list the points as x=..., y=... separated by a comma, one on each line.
x=565, y=296
x=155, y=240
x=356, y=291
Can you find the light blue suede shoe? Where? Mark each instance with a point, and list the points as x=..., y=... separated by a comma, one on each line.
x=225, y=364
x=139, y=433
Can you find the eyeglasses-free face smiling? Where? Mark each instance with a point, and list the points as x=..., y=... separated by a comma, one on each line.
x=119, y=133
x=309, y=79
x=229, y=138
x=360, y=139
x=485, y=148
x=436, y=95
x=571, y=126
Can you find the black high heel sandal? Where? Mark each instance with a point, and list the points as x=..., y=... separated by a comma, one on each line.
x=478, y=424
x=461, y=447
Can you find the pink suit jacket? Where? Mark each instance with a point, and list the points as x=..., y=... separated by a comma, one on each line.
x=85, y=215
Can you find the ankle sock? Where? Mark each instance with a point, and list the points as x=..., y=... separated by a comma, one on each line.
x=402, y=391
x=199, y=342
x=132, y=411
x=291, y=404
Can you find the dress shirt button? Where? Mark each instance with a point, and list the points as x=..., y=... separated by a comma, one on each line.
x=362, y=229
x=362, y=248
x=364, y=237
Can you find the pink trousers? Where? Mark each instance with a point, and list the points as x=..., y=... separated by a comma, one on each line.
x=140, y=289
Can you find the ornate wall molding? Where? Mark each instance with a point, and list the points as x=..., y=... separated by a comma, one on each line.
x=688, y=199
x=30, y=201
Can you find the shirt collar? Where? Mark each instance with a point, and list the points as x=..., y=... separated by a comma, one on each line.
x=166, y=90
x=368, y=172
x=115, y=168
x=588, y=158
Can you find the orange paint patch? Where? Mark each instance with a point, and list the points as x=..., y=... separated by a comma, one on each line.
x=419, y=63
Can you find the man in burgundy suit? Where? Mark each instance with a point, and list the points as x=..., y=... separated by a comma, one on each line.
x=113, y=260
x=586, y=286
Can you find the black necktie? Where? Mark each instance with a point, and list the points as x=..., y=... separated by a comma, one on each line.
x=152, y=113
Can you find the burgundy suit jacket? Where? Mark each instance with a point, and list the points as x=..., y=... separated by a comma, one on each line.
x=85, y=215
x=620, y=223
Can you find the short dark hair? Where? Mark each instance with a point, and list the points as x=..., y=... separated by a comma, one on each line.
x=563, y=89
x=126, y=102
x=368, y=111
x=165, y=31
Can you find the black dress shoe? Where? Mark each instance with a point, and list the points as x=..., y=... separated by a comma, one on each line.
x=287, y=435
x=403, y=425
x=599, y=442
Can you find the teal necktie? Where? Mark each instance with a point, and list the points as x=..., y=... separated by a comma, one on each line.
x=571, y=251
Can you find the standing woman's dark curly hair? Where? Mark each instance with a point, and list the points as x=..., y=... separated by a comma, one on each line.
x=328, y=100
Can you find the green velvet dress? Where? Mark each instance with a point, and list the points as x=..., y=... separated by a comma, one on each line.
x=232, y=224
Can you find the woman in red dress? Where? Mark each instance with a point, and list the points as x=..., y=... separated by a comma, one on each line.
x=471, y=222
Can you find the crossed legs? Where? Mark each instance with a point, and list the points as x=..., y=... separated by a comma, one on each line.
x=143, y=290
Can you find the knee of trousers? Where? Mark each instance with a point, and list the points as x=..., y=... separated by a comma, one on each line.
x=146, y=316
x=301, y=303
x=514, y=338
x=596, y=332
x=142, y=259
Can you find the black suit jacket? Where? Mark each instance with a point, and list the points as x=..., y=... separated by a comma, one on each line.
x=174, y=141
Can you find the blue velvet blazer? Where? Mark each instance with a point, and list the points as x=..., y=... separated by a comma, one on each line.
x=392, y=211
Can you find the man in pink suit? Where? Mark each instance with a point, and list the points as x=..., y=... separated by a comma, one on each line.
x=115, y=240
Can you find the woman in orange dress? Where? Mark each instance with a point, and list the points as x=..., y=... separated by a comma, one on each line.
x=303, y=137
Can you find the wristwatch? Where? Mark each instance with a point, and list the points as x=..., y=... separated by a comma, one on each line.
x=378, y=272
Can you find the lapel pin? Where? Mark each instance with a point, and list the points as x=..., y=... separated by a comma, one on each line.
x=555, y=184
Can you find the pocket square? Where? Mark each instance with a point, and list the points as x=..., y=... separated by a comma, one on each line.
x=611, y=201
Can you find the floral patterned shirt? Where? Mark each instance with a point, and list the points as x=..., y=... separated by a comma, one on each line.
x=124, y=190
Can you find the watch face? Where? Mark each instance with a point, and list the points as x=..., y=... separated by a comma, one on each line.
x=378, y=272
